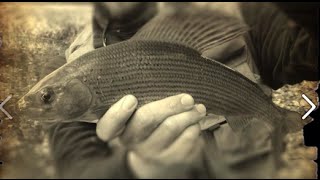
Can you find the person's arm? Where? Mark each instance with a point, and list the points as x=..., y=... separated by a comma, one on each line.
x=283, y=51
x=79, y=153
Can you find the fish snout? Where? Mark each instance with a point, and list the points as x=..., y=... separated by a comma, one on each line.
x=23, y=104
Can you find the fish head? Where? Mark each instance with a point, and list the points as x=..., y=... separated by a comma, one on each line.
x=59, y=96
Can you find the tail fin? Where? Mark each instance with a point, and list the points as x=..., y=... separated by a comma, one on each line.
x=198, y=28
x=294, y=122
x=291, y=121
x=275, y=132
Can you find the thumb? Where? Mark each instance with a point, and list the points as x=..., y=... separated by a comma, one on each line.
x=116, y=117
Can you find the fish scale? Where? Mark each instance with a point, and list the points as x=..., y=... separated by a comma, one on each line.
x=151, y=72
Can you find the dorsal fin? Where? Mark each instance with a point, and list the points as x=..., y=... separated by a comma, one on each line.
x=198, y=28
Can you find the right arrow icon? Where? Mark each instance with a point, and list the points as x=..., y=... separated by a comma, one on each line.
x=313, y=107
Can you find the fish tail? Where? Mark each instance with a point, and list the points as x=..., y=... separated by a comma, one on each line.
x=198, y=29
x=290, y=122
x=293, y=121
x=276, y=133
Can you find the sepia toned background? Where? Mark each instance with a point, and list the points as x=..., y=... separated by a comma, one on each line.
x=34, y=35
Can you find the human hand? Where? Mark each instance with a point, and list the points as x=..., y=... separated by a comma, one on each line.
x=170, y=116
x=181, y=159
x=160, y=134
x=114, y=120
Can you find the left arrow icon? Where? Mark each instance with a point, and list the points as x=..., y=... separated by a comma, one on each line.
x=2, y=104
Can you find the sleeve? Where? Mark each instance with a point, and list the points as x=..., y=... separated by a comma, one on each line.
x=79, y=153
x=283, y=51
x=305, y=14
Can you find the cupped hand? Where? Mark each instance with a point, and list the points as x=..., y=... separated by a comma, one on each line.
x=160, y=135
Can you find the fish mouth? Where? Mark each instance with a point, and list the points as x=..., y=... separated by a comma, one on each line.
x=25, y=108
x=22, y=103
x=27, y=112
x=35, y=114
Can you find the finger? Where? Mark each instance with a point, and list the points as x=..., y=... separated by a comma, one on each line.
x=143, y=168
x=197, y=153
x=184, y=145
x=82, y=44
x=149, y=116
x=172, y=127
x=116, y=117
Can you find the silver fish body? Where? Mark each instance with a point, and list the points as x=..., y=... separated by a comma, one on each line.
x=153, y=70
x=163, y=58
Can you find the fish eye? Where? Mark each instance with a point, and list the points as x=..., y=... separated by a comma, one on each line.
x=47, y=95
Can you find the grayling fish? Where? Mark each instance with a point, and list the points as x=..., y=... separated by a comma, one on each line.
x=162, y=59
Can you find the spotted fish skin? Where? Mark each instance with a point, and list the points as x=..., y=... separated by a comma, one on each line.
x=152, y=70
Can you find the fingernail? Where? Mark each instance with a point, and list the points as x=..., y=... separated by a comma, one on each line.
x=129, y=102
x=201, y=108
x=187, y=100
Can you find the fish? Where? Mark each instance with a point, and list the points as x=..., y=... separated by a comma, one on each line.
x=164, y=58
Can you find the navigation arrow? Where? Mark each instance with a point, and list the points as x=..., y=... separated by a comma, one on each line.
x=313, y=107
x=2, y=104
